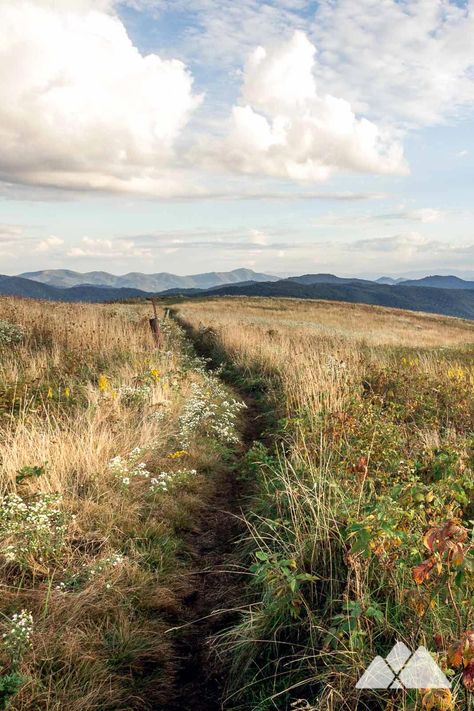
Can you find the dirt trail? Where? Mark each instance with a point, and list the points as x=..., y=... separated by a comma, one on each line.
x=213, y=588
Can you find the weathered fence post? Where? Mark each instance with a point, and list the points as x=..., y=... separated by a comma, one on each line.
x=155, y=326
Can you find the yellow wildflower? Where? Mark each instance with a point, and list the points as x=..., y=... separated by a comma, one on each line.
x=67, y=392
x=50, y=393
x=103, y=383
x=177, y=455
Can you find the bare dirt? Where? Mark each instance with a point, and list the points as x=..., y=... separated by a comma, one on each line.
x=212, y=582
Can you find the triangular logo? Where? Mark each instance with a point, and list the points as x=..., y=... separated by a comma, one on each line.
x=422, y=672
x=377, y=676
x=404, y=670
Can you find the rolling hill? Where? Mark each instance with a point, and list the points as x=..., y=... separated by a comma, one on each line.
x=17, y=286
x=440, y=282
x=450, y=302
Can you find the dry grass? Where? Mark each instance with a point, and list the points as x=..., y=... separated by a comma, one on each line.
x=374, y=449
x=358, y=322
x=85, y=385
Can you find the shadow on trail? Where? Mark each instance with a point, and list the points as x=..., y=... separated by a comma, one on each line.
x=215, y=582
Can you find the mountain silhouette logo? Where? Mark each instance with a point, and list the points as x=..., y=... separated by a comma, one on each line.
x=403, y=669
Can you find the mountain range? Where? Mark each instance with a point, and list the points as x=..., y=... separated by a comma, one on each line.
x=448, y=295
x=65, y=278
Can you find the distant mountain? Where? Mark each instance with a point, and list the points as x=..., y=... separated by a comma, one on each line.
x=449, y=302
x=389, y=280
x=65, y=278
x=326, y=279
x=440, y=282
x=17, y=286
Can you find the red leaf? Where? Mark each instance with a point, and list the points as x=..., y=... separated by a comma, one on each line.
x=468, y=676
x=422, y=571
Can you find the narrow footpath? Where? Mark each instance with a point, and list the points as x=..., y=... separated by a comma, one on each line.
x=214, y=586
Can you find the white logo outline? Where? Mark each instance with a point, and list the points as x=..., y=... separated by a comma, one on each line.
x=404, y=669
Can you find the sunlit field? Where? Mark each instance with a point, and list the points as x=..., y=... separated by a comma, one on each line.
x=109, y=451
x=360, y=527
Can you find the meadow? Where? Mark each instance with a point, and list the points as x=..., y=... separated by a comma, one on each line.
x=245, y=529
x=111, y=452
x=360, y=525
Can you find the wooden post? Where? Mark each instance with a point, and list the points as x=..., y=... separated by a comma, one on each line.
x=155, y=326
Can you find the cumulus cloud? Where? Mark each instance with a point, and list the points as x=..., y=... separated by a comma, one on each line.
x=412, y=59
x=284, y=128
x=332, y=87
x=48, y=244
x=81, y=107
x=107, y=248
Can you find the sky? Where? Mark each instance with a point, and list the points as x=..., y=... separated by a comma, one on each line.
x=199, y=135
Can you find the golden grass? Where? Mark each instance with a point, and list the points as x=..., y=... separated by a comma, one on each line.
x=375, y=441
x=67, y=406
x=375, y=325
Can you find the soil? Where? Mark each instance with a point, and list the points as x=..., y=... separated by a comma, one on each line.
x=213, y=583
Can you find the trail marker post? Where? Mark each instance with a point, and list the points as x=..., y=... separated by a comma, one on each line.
x=155, y=326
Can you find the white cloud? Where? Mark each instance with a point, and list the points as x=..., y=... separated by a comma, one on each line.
x=9, y=233
x=411, y=60
x=81, y=107
x=107, y=248
x=426, y=215
x=399, y=253
x=258, y=237
x=46, y=245
x=403, y=254
x=403, y=245
x=285, y=128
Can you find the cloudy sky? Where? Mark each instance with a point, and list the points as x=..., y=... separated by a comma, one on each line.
x=287, y=136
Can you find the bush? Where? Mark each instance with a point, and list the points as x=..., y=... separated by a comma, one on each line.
x=10, y=333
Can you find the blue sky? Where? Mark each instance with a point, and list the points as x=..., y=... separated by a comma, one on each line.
x=198, y=135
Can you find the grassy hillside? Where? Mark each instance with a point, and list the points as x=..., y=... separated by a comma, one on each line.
x=111, y=453
x=360, y=531
x=450, y=302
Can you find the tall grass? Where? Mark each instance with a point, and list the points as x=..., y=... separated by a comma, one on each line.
x=361, y=530
x=97, y=496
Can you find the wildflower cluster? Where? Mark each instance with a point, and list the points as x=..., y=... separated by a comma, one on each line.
x=34, y=527
x=10, y=333
x=134, y=394
x=104, y=564
x=165, y=480
x=91, y=572
x=127, y=468
x=18, y=635
x=335, y=365
x=210, y=411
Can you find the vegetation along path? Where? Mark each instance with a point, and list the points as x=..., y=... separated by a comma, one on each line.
x=212, y=597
